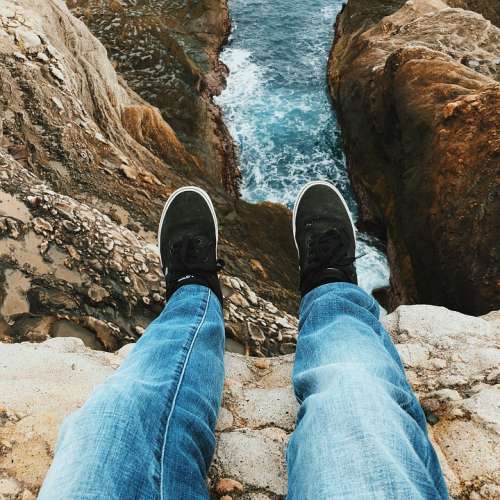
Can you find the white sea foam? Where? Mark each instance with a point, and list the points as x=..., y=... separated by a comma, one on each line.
x=277, y=110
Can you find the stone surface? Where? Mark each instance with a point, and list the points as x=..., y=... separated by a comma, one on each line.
x=173, y=65
x=85, y=168
x=416, y=89
x=259, y=407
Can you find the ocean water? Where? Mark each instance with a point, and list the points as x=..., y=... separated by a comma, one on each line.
x=277, y=108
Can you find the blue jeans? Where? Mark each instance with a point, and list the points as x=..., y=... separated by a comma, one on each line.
x=148, y=431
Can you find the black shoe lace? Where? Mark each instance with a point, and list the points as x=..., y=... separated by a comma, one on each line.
x=192, y=254
x=329, y=249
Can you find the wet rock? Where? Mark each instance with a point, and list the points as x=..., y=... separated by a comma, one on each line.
x=57, y=73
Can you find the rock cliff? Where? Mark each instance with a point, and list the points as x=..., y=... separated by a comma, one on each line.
x=451, y=359
x=86, y=165
x=87, y=161
x=168, y=53
x=416, y=89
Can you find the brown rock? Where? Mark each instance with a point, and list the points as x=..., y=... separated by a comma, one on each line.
x=262, y=363
x=97, y=293
x=421, y=123
x=257, y=266
x=227, y=485
x=238, y=300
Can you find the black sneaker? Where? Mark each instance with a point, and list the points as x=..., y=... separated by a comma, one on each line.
x=324, y=235
x=187, y=239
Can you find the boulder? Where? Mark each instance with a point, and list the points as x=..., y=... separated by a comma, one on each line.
x=451, y=359
x=415, y=86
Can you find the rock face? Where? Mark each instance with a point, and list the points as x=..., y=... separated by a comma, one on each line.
x=417, y=93
x=85, y=167
x=168, y=53
x=451, y=359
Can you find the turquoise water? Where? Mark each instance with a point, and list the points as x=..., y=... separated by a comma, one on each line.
x=277, y=107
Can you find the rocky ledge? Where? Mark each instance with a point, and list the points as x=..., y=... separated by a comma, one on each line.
x=416, y=89
x=85, y=167
x=451, y=359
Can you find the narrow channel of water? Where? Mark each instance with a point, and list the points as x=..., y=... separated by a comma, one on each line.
x=277, y=108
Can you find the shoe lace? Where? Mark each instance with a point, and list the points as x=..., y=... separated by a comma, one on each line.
x=329, y=249
x=192, y=254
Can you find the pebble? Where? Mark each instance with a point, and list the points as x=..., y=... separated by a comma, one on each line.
x=284, y=323
x=252, y=298
x=58, y=103
x=57, y=73
x=227, y=485
x=41, y=225
x=97, y=293
x=447, y=395
x=235, y=283
x=262, y=363
x=271, y=308
x=238, y=299
x=129, y=172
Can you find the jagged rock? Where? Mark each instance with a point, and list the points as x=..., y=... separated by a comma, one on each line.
x=173, y=65
x=259, y=406
x=106, y=158
x=416, y=88
x=115, y=276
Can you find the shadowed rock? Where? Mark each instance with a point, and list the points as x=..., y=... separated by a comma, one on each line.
x=168, y=53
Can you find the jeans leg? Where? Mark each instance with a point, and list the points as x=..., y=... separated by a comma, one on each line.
x=361, y=432
x=148, y=431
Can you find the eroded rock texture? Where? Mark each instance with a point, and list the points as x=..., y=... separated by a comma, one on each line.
x=452, y=361
x=85, y=167
x=417, y=93
x=168, y=53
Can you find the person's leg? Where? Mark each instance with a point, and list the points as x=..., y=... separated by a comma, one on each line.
x=148, y=431
x=360, y=432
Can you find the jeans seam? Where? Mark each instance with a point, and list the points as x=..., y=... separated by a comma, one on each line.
x=177, y=390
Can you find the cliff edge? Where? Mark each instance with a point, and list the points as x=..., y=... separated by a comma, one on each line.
x=451, y=359
x=415, y=86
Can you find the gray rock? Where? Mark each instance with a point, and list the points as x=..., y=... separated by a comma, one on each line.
x=258, y=406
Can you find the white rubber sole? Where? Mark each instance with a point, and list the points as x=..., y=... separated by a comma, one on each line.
x=299, y=197
x=205, y=196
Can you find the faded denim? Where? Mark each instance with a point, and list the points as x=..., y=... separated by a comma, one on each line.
x=148, y=431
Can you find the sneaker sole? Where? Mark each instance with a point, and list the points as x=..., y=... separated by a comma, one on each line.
x=205, y=196
x=336, y=191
